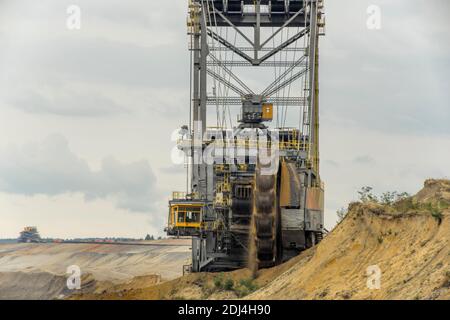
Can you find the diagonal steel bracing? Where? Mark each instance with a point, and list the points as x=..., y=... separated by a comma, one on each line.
x=283, y=75
x=226, y=83
x=231, y=74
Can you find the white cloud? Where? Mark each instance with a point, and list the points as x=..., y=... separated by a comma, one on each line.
x=51, y=168
x=64, y=102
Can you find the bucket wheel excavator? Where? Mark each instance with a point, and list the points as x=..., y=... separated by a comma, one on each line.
x=254, y=195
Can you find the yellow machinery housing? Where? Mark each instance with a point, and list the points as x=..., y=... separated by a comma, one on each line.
x=185, y=216
x=267, y=112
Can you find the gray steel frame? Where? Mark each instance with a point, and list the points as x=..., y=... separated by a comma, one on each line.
x=231, y=13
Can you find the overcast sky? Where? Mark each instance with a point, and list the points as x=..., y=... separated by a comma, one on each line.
x=86, y=115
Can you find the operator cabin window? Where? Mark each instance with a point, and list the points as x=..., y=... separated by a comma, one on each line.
x=192, y=216
x=180, y=216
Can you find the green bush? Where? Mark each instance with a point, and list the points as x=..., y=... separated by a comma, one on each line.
x=248, y=283
x=218, y=281
x=434, y=210
x=391, y=197
x=228, y=285
x=366, y=195
x=245, y=287
x=223, y=284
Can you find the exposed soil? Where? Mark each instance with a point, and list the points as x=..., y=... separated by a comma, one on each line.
x=38, y=271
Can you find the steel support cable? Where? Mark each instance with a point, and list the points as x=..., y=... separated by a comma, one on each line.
x=311, y=93
x=301, y=113
x=219, y=78
x=223, y=123
x=228, y=107
x=283, y=95
x=289, y=87
x=305, y=109
x=219, y=72
x=281, y=47
x=230, y=74
x=219, y=88
x=286, y=82
x=212, y=43
x=222, y=79
x=218, y=61
x=235, y=78
x=220, y=58
x=301, y=110
x=282, y=76
x=190, y=108
x=277, y=73
x=226, y=88
x=279, y=78
x=309, y=96
x=304, y=88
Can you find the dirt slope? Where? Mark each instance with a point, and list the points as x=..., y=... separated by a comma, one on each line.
x=408, y=241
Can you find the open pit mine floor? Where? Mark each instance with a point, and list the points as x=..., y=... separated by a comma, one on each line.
x=38, y=270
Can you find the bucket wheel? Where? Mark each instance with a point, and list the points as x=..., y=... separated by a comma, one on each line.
x=265, y=223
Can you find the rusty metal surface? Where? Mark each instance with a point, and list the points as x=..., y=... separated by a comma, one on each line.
x=315, y=199
x=290, y=185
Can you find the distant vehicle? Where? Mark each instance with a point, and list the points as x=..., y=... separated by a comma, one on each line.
x=29, y=234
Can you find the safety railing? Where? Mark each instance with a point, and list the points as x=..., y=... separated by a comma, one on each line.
x=252, y=144
x=178, y=195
